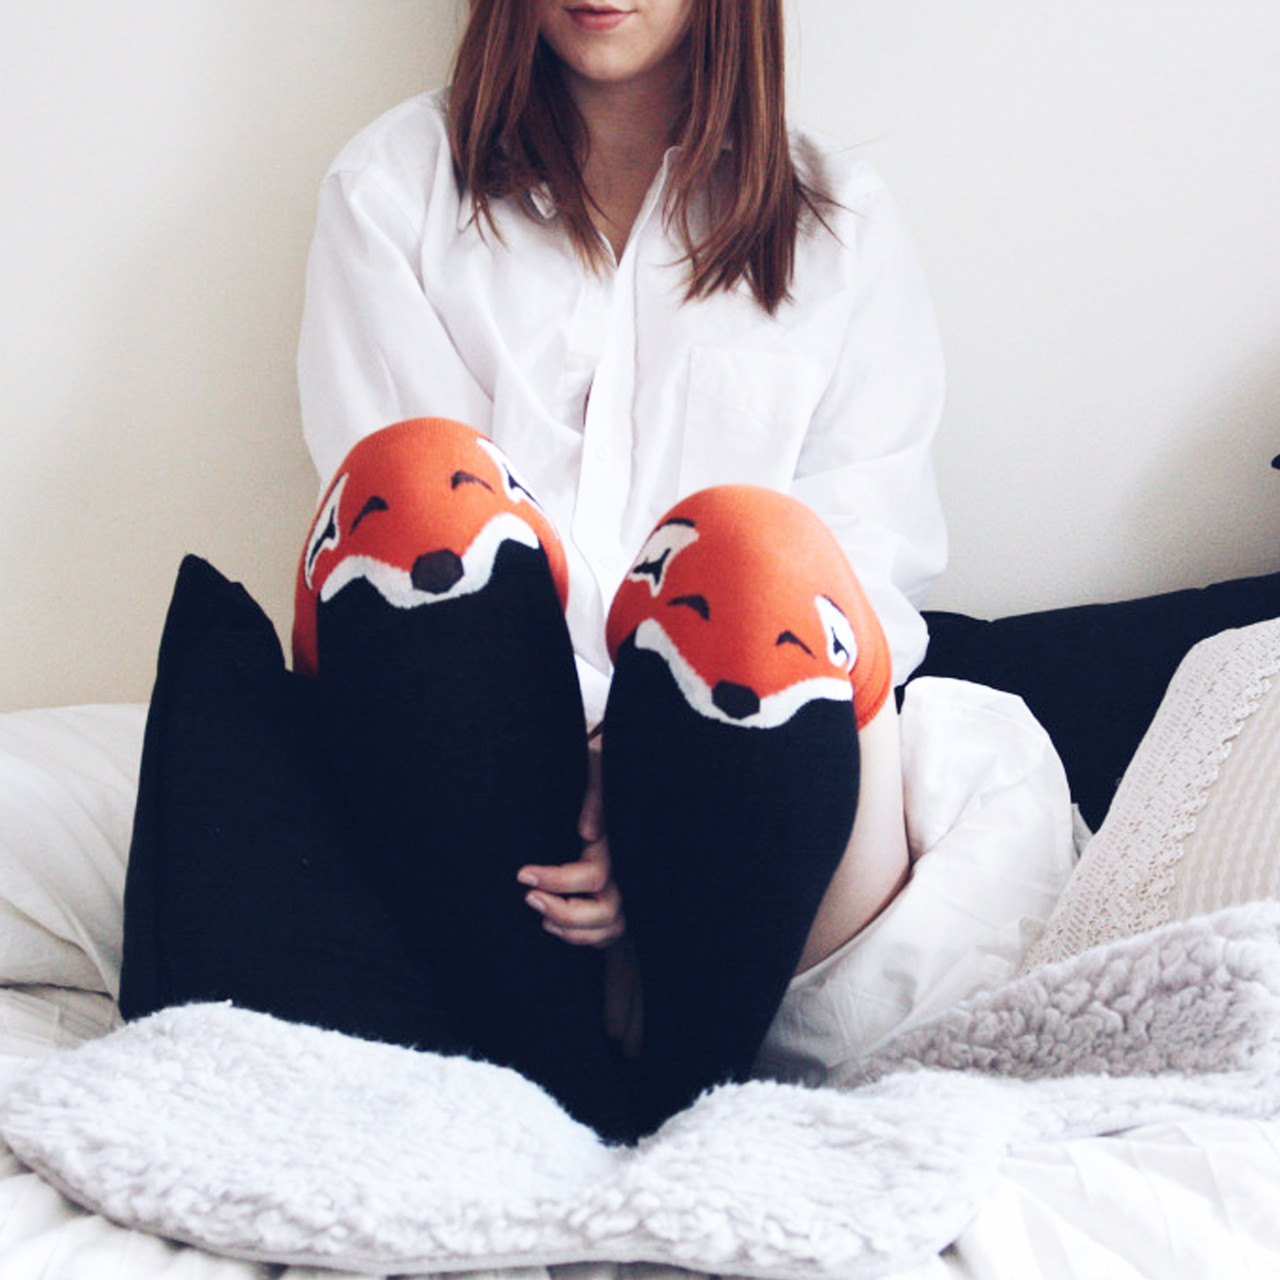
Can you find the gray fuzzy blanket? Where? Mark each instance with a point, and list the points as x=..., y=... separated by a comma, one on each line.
x=280, y=1143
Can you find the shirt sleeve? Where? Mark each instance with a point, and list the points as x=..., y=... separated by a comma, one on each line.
x=866, y=463
x=373, y=350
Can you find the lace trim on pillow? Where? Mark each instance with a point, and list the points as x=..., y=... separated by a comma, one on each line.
x=1127, y=874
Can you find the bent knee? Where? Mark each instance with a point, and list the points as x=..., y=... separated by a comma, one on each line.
x=749, y=597
x=420, y=510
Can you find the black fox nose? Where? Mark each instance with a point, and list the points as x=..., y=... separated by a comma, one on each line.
x=436, y=571
x=735, y=700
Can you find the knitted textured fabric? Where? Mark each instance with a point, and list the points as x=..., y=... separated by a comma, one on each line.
x=747, y=597
x=433, y=746
x=240, y=882
x=742, y=645
x=419, y=510
x=430, y=598
x=1181, y=836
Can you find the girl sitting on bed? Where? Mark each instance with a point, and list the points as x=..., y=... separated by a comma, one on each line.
x=699, y=377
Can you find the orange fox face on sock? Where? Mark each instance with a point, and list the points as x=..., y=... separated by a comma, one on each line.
x=753, y=627
x=419, y=510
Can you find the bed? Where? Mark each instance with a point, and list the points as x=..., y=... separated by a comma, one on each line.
x=1067, y=1027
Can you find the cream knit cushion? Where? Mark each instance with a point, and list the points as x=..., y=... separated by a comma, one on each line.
x=1195, y=824
x=1233, y=853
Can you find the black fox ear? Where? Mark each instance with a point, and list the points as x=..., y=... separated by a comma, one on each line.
x=325, y=531
x=664, y=544
x=842, y=646
x=516, y=488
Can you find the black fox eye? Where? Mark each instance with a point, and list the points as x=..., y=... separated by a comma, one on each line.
x=697, y=603
x=790, y=637
x=374, y=504
x=460, y=478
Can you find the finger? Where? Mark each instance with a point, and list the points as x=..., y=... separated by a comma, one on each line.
x=597, y=911
x=605, y=937
x=588, y=875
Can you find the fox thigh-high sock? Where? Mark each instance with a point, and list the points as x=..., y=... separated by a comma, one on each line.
x=429, y=606
x=746, y=658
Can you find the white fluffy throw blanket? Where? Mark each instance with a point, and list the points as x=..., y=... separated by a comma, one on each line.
x=281, y=1143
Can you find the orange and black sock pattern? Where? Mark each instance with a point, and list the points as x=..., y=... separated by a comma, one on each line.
x=442, y=712
x=746, y=660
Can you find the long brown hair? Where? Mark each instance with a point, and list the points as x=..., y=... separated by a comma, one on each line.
x=513, y=128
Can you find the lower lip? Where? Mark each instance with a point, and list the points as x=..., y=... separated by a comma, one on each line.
x=598, y=19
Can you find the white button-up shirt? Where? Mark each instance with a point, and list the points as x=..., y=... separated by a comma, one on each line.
x=615, y=397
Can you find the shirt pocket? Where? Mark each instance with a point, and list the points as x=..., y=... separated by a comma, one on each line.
x=746, y=415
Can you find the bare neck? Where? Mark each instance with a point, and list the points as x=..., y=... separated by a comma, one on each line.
x=629, y=128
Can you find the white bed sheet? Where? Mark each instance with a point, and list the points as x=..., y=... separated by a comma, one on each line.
x=1199, y=1199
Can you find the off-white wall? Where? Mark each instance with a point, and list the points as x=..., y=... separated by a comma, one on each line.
x=159, y=162
x=1094, y=188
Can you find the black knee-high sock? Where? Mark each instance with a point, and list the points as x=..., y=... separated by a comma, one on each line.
x=455, y=724
x=723, y=840
x=746, y=659
x=459, y=741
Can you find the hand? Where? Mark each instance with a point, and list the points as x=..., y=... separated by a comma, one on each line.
x=592, y=916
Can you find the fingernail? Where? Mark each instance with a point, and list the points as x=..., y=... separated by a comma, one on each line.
x=537, y=903
x=529, y=878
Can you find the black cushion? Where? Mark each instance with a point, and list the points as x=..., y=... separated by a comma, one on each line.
x=244, y=881
x=1094, y=674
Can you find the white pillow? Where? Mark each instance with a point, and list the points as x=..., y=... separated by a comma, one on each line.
x=68, y=780
x=1195, y=823
x=989, y=822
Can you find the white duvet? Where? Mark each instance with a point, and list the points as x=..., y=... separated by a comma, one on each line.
x=1193, y=1199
